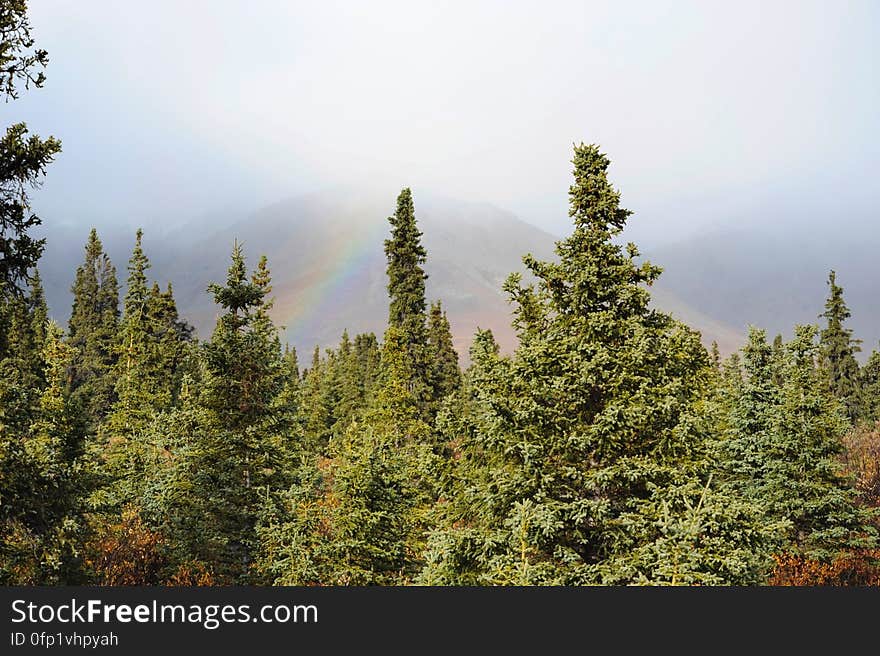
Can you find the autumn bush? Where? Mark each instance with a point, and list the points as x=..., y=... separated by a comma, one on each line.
x=852, y=568
x=861, y=459
x=128, y=552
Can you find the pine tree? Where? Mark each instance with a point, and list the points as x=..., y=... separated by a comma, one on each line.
x=715, y=356
x=355, y=519
x=348, y=399
x=170, y=342
x=262, y=322
x=368, y=357
x=23, y=158
x=41, y=518
x=292, y=364
x=92, y=330
x=235, y=461
x=120, y=450
x=137, y=370
x=870, y=383
x=317, y=403
x=780, y=447
x=837, y=350
x=39, y=311
x=153, y=353
x=582, y=463
x=22, y=365
x=406, y=289
x=289, y=398
x=444, y=373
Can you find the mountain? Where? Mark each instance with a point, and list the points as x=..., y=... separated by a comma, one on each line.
x=326, y=254
x=774, y=279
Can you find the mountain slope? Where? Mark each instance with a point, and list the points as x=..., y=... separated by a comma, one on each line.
x=775, y=280
x=326, y=254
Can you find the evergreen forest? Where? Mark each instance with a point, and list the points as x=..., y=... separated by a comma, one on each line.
x=611, y=447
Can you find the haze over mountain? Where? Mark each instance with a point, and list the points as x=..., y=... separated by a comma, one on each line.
x=776, y=278
x=326, y=254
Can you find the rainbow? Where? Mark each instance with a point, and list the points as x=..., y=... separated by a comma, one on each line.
x=345, y=260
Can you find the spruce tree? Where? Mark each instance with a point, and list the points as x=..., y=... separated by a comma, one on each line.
x=291, y=362
x=715, y=356
x=92, y=330
x=870, y=388
x=368, y=357
x=348, y=399
x=137, y=371
x=41, y=517
x=289, y=398
x=22, y=364
x=837, y=350
x=357, y=516
x=121, y=452
x=234, y=461
x=406, y=289
x=317, y=402
x=23, y=157
x=171, y=342
x=444, y=373
x=582, y=462
x=780, y=445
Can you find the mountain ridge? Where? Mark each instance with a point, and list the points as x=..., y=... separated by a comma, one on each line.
x=325, y=251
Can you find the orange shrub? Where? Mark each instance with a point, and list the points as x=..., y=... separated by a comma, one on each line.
x=127, y=552
x=852, y=568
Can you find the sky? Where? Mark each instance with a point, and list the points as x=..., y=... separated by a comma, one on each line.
x=713, y=113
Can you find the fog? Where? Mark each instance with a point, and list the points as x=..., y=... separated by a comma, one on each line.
x=713, y=113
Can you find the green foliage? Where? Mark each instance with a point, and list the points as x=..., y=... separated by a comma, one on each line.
x=317, y=403
x=23, y=158
x=41, y=475
x=19, y=60
x=780, y=447
x=444, y=373
x=151, y=352
x=609, y=448
x=870, y=383
x=230, y=458
x=406, y=289
x=586, y=440
x=837, y=350
x=92, y=330
x=356, y=518
x=353, y=525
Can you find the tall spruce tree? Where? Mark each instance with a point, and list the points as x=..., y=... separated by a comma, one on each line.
x=348, y=398
x=92, y=330
x=171, y=342
x=22, y=363
x=290, y=397
x=582, y=463
x=317, y=396
x=233, y=462
x=153, y=354
x=25, y=333
x=120, y=450
x=369, y=358
x=406, y=289
x=837, y=350
x=136, y=369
